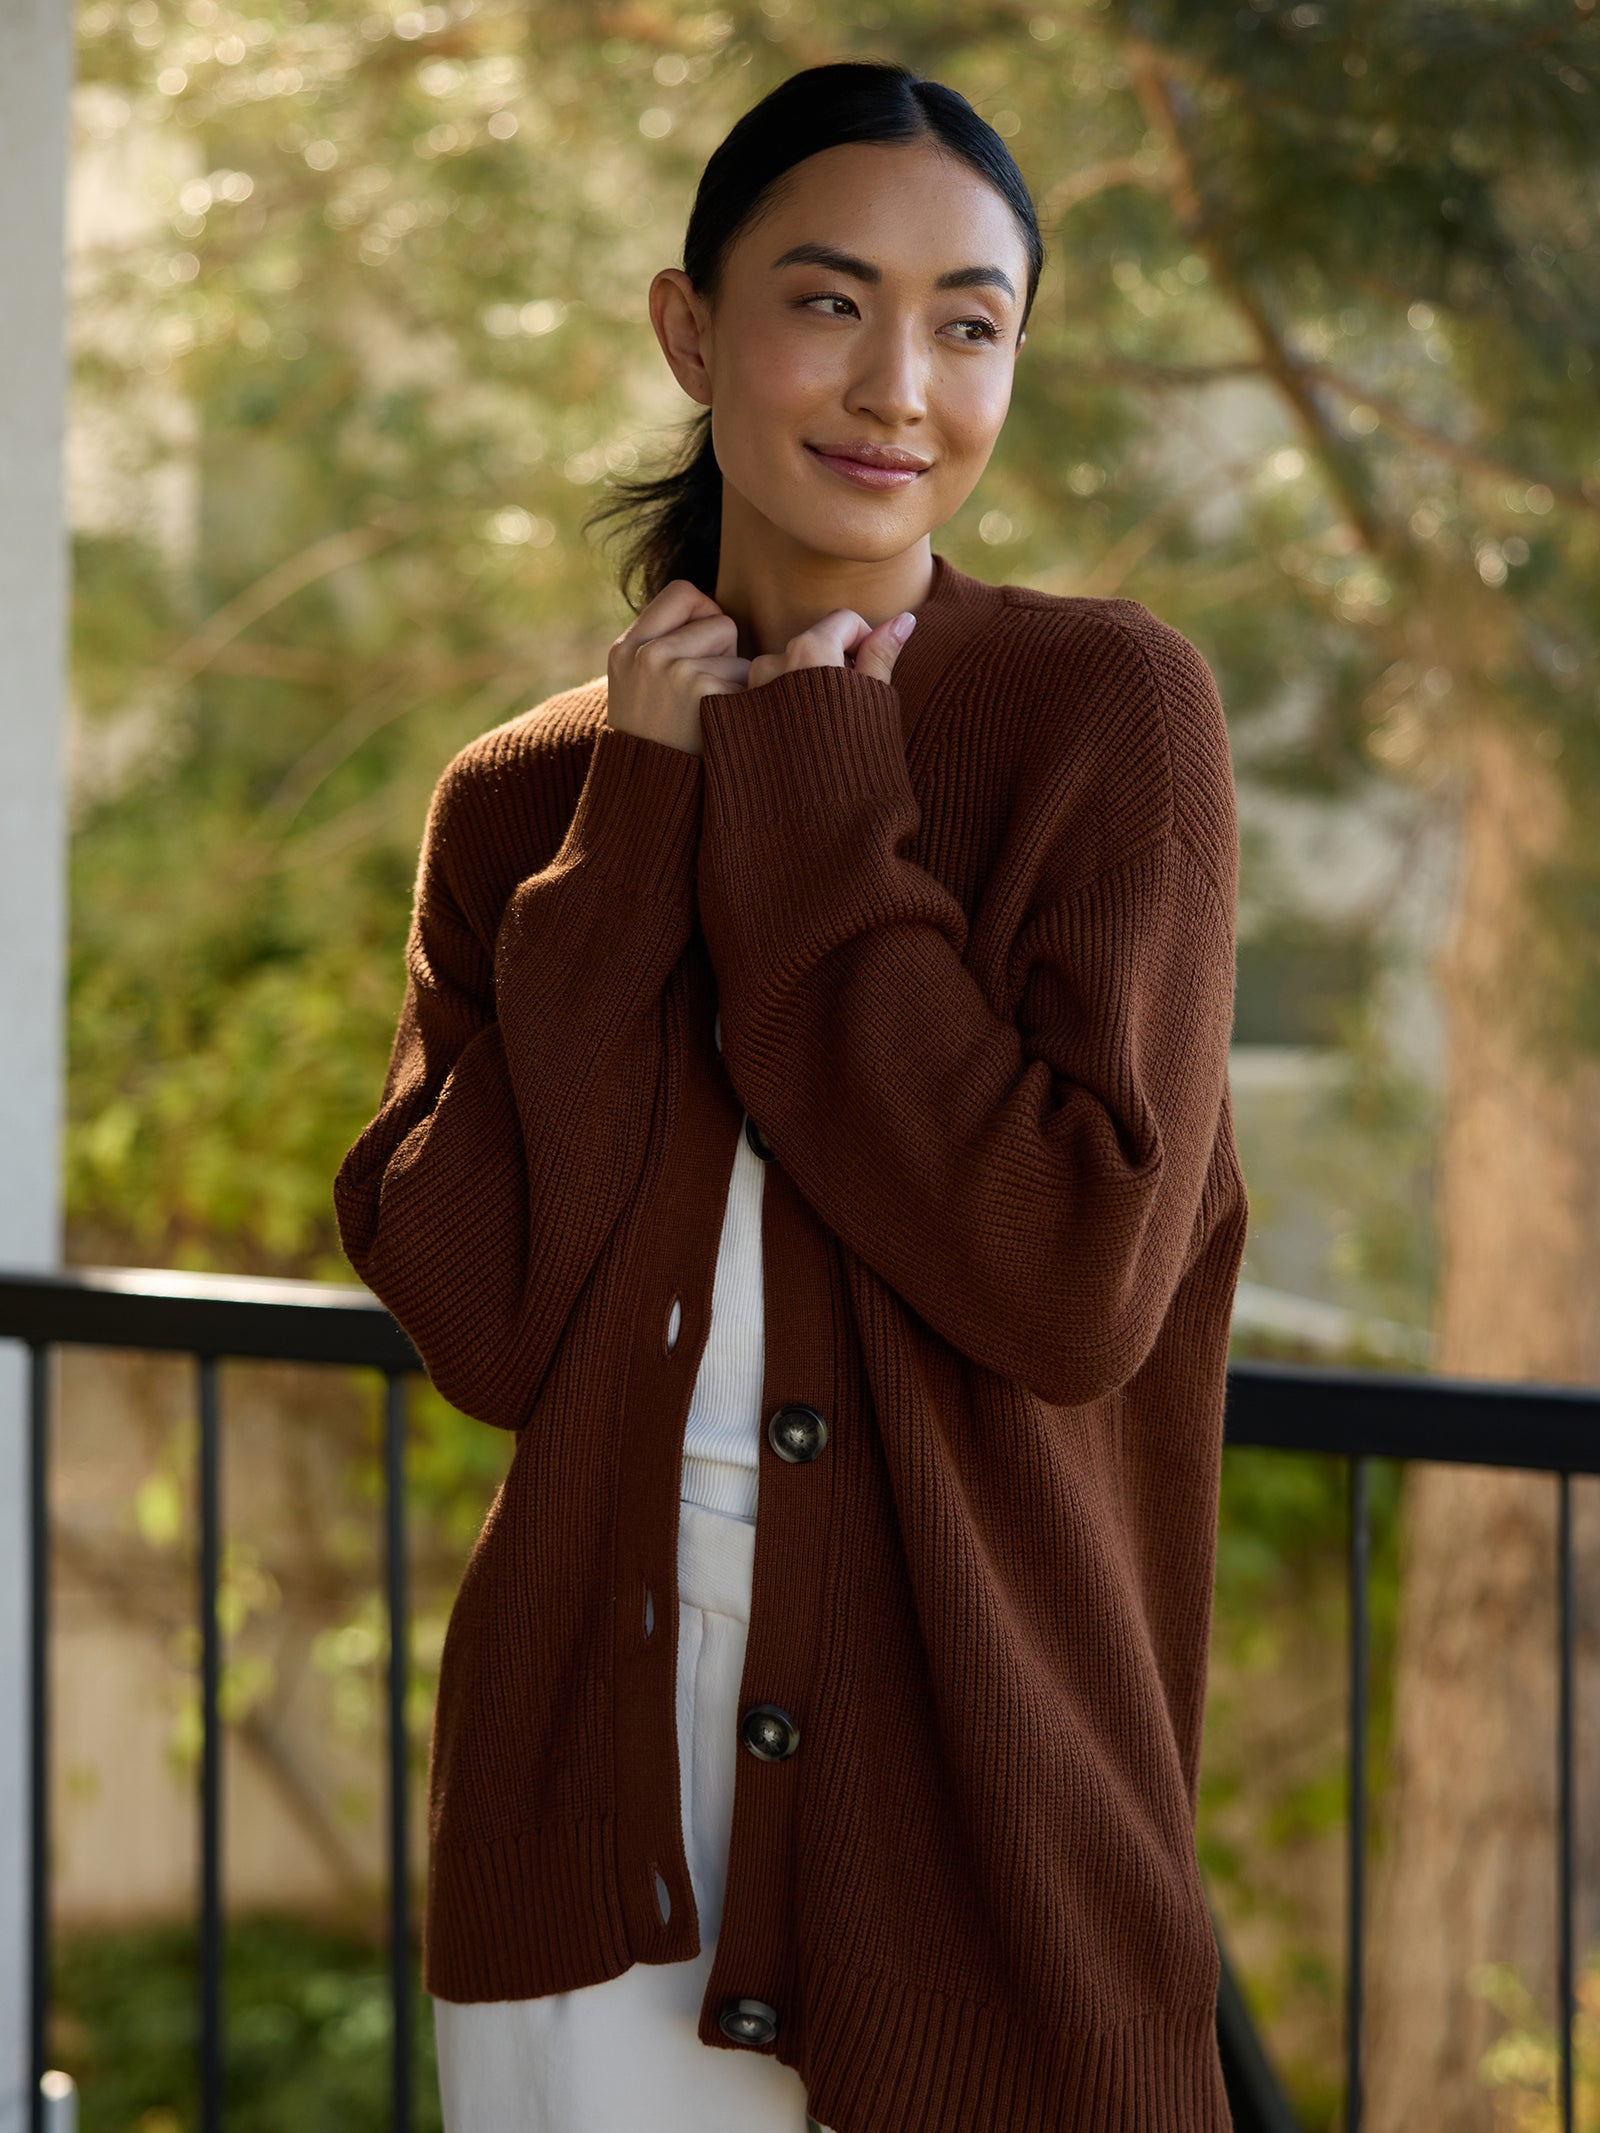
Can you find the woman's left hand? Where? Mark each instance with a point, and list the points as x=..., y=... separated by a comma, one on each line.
x=841, y=639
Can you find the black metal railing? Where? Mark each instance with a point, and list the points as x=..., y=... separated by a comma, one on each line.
x=1363, y=1415
x=1357, y=1415
x=212, y=1320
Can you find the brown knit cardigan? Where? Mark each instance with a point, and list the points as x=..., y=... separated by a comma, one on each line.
x=971, y=937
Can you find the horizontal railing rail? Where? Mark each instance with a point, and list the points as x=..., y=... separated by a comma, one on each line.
x=1381, y=1414
x=239, y=1316
x=1358, y=1415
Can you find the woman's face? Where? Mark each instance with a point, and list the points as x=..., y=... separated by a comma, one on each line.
x=802, y=358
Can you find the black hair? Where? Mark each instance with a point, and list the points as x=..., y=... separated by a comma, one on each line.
x=673, y=520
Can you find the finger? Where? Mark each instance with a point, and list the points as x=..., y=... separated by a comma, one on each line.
x=679, y=601
x=732, y=683
x=826, y=642
x=707, y=636
x=839, y=631
x=877, y=652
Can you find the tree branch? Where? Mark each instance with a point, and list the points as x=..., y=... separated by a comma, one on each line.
x=1096, y=178
x=1177, y=377
x=279, y=584
x=1133, y=370
x=1281, y=364
x=1427, y=439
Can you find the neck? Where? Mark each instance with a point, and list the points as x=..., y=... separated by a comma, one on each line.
x=774, y=586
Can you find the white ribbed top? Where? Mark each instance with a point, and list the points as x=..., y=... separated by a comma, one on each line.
x=722, y=1438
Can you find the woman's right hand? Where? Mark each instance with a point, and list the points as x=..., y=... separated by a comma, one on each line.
x=676, y=650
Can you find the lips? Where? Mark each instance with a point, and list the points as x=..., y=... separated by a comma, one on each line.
x=901, y=470
x=874, y=455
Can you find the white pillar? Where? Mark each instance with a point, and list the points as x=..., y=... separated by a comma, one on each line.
x=35, y=86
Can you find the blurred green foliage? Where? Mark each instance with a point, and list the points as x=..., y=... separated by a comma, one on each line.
x=1313, y=356
x=1524, y=2063
x=308, y=2031
x=360, y=332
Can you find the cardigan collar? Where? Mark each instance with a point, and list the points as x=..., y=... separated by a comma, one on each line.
x=957, y=606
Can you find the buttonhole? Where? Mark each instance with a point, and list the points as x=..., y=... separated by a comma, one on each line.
x=663, y=1898
x=674, y=1321
x=649, y=1612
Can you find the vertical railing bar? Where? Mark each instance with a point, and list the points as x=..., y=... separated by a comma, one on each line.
x=1360, y=1558
x=394, y=1450
x=1564, y=1578
x=210, y=1509
x=39, y=1728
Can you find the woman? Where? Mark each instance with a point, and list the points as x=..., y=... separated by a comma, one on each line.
x=811, y=1088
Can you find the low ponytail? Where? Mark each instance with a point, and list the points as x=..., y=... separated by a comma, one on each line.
x=672, y=521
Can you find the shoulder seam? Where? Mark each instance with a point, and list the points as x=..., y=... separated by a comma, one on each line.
x=1133, y=638
x=1128, y=637
x=1176, y=839
x=1218, y=894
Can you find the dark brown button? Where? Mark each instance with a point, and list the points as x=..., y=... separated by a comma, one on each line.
x=797, y=1433
x=757, y=1139
x=769, y=1732
x=748, y=2021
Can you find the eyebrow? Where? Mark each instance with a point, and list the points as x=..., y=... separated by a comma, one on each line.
x=825, y=255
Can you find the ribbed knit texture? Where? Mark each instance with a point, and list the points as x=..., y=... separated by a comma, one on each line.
x=971, y=938
x=722, y=1437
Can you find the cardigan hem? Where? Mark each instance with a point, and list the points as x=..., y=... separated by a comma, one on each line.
x=879, y=2056
x=530, y=1914
x=523, y=1914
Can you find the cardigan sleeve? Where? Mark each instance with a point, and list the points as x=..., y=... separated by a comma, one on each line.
x=522, y=1078
x=1026, y=1173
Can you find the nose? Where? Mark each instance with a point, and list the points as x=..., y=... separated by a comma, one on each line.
x=891, y=382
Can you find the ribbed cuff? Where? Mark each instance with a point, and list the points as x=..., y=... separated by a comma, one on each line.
x=804, y=743
x=638, y=816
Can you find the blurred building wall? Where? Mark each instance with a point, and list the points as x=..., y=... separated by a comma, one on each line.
x=304, y=1803
x=34, y=88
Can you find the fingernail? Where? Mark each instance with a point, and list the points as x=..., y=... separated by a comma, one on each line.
x=904, y=625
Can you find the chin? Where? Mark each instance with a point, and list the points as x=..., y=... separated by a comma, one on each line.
x=866, y=543
x=863, y=529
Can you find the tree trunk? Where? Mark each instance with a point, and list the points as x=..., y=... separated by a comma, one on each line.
x=1467, y=1869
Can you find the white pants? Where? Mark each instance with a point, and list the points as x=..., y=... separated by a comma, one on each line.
x=625, y=2055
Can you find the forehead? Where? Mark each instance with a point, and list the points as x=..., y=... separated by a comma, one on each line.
x=909, y=207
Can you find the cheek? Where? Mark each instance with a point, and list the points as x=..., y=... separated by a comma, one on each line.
x=973, y=408
x=778, y=374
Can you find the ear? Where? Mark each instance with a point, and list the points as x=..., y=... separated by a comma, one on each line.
x=680, y=318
